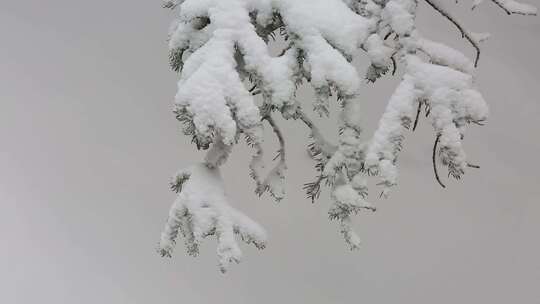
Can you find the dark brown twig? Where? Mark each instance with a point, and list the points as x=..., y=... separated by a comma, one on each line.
x=417, y=116
x=435, y=160
x=473, y=166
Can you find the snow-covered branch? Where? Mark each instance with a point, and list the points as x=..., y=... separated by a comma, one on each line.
x=230, y=84
x=201, y=210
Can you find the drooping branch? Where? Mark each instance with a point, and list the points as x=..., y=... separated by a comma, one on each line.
x=514, y=7
x=320, y=143
x=464, y=33
x=274, y=181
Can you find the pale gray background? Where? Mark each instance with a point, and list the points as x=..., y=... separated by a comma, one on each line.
x=88, y=142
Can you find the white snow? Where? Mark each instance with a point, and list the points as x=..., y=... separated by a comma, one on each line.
x=202, y=209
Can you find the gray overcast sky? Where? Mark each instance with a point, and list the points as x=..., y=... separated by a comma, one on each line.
x=89, y=142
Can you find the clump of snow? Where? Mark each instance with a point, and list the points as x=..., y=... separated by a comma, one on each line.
x=201, y=210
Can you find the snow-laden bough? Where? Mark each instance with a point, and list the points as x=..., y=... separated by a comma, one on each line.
x=231, y=85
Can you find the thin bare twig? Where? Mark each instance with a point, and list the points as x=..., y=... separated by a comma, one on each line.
x=473, y=166
x=394, y=65
x=434, y=159
x=279, y=135
x=417, y=116
x=464, y=33
x=500, y=4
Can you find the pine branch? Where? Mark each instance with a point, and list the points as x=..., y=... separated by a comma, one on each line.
x=218, y=47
